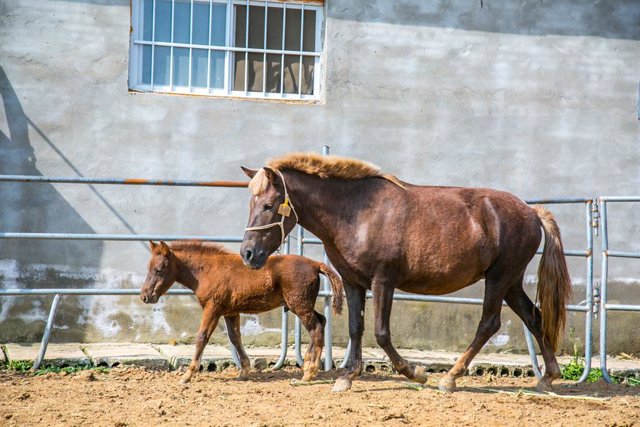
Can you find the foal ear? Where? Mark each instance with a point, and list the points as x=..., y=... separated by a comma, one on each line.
x=165, y=249
x=249, y=172
x=152, y=245
x=272, y=175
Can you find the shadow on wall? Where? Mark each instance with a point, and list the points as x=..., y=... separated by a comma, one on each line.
x=616, y=20
x=36, y=207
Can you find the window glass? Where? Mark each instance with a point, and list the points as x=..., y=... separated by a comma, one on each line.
x=161, y=64
x=199, y=60
x=217, y=69
x=219, y=27
x=180, y=66
x=200, y=23
x=147, y=24
x=163, y=21
x=182, y=21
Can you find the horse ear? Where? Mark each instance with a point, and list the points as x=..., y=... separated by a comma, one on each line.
x=249, y=172
x=165, y=249
x=272, y=175
x=152, y=245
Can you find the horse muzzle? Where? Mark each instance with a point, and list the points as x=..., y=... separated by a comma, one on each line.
x=253, y=259
x=149, y=299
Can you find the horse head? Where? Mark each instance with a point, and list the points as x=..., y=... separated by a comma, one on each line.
x=161, y=274
x=271, y=216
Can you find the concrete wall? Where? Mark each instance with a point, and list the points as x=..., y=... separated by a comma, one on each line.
x=537, y=98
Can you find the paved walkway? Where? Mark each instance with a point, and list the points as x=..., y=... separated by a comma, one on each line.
x=218, y=358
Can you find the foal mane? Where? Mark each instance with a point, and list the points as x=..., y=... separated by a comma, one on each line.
x=199, y=247
x=321, y=166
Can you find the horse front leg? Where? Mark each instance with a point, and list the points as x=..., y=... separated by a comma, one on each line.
x=207, y=326
x=382, y=300
x=233, y=330
x=356, y=302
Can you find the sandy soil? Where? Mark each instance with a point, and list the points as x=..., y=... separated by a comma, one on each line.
x=134, y=396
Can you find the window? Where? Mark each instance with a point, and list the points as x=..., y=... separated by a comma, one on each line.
x=255, y=49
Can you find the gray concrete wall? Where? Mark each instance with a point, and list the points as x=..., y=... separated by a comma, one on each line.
x=537, y=98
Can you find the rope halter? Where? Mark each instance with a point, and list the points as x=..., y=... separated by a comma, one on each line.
x=284, y=210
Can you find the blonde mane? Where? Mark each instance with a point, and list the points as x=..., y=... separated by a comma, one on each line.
x=199, y=246
x=320, y=166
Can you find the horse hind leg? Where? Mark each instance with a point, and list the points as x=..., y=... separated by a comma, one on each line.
x=314, y=324
x=522, y=305
x=495, y=290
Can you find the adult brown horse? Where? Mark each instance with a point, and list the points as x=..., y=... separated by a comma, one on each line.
x=225, y=287
x=383, y=234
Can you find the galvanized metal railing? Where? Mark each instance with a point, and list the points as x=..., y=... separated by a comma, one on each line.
x=585, y=306
x=604, y=305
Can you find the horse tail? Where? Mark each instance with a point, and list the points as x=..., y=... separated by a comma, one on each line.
x=336, y=286
x=554, y=283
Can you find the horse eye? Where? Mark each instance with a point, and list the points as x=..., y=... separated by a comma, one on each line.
x=158, y=270
x=268, y=206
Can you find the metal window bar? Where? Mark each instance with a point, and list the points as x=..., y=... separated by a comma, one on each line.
x=301, y=49
x=606, y=254
x=209, y=50
x=191, y=43
x=173, y=20
x=153, y=40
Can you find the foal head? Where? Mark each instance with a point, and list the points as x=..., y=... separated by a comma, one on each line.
x=271, y=216
x=161, y=275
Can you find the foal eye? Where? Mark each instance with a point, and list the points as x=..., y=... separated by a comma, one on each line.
x=267, y=206
x=158, y=270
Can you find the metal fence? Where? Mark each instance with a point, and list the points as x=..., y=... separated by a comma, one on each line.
x=588, y=306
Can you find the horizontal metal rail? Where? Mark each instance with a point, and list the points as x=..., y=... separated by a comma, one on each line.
x=122, y=181
x=116, y=237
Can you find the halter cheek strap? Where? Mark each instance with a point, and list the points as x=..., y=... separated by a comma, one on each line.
x=283, y=211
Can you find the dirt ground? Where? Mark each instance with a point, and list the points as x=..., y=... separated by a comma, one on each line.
x=135, y=397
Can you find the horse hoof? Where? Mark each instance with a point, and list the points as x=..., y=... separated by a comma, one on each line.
x=185, y=379
x=419, y=375
x=447, y=385
x=543, y=387
x=341, y=385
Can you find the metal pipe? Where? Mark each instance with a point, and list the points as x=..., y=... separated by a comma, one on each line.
x=603, y=291
x=328, y=313
x=124, y=181
x=297, y=328
x=622, y=254
x=347, y=352
x=284, y=340
x=284, y=323
x=85, y=291
x=118, y=237
x=532, y=352
x=588, y=326
x=47, y=332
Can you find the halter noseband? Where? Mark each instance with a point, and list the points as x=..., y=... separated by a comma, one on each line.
x=284, y=211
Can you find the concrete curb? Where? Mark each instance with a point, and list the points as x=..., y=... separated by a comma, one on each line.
x=218, y=358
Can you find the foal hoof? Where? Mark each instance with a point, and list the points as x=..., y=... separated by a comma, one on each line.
x=419, y=375
x=185, y=379
x=341, y=385
x=447, y=384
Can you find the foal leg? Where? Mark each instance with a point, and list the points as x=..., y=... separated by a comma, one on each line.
x=207, y=326
x=233, y=330
x=382, y=301
x=314, y=324
x=495, y=290
x=522, y=305
x=356, y=302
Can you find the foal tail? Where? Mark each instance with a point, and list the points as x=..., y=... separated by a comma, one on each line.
x=554, y=283
x=336, y=286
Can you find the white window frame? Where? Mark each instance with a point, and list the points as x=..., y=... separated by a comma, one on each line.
x=136, y=52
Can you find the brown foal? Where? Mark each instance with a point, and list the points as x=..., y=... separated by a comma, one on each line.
x=225, y=287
